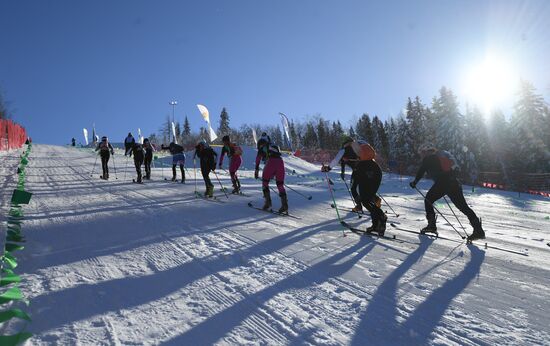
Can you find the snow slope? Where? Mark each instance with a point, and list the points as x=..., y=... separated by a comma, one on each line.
x=111, y=262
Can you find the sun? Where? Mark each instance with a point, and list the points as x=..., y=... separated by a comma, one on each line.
x=491, y=84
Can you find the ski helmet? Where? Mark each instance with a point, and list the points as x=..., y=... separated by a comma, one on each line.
x=129, y=134
x=146, y=140
x=346, y=139
x=225, y=138
x=104, y=138
x=426, y=147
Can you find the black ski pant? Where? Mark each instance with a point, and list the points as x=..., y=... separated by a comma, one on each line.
x=137, y=163
x=451, y=187
x=148, y=160
x=354, y=186
x=174, y=172
x=206, y=176
x=368, y=177
x=104, y=166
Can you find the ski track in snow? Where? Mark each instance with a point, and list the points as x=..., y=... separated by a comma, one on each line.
x=111, y=262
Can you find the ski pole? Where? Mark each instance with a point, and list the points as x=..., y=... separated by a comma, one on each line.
x=301, y=194
x=393, y=211
x=443, y=216
x=352, y=199
x=125, y=167
x=114, y=165
x=334, y=201
x=95, y=162
x=460, y=223
x=219, y=181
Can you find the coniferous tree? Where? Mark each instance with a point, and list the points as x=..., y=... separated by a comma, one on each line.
x=528, y=125
x=450, y=125
x=293, y=135
x=336, y=135
x=499, y=133
x=477, y=140
x=310, y=137
x=186, y=127
x=352, y=133
x=322, y=134
x=364, y=128
x=377, y=134
x=401, y=143
x=224, y=128
x=416, y=127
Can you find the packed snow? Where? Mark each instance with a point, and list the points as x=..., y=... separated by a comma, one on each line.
x=112, y=262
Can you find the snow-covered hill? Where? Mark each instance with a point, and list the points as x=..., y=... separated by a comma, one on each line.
x=112, y=262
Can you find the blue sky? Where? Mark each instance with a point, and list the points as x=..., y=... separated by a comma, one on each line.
x=67, y=64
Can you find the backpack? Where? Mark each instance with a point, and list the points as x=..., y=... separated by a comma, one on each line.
x=363, y=150
x=447, y=161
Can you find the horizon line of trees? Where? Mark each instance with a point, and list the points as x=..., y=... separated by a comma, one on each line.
x=480, y=142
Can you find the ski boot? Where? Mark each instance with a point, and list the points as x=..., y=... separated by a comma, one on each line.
x=173, y=178
x=210, y=191
x=267, y=200
x=357, y=209
x=431, y=228
x=477, y=234
x=235, y=188
x=284, y=203
x=381, y=225
x=371, y=228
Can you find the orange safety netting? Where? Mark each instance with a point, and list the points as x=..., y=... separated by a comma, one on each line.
x=12, y=135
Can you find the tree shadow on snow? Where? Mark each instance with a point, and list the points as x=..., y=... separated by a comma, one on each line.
x=379, y=325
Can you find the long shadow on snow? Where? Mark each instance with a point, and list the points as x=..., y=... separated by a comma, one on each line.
x=215, y=327
x=81, y=244
x=379, y=326
x=87, y=300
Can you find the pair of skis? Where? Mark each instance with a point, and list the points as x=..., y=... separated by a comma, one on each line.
x=275, y=212
x=474, y=243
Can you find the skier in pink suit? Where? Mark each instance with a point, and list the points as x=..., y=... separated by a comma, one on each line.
x=234, y=153
x=274, y=167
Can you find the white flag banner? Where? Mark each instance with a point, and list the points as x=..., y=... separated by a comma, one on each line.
x=254, y=136
x=174, y=133
x=140, y=137
x=284, y=120
x=85, y=135
x=206, y=116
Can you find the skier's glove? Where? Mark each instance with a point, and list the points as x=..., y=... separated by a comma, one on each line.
x=325, y=168
x=413, y=184
x=256, y=173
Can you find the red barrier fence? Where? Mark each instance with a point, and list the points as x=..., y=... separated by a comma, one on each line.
x=12, y=135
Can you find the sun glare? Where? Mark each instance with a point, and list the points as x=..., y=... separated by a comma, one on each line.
x=491, y=84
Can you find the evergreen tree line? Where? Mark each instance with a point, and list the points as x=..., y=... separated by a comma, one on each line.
x=480, y=142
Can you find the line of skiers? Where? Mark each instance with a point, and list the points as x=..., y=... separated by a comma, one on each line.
x=365, y=181
x=366, y=176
